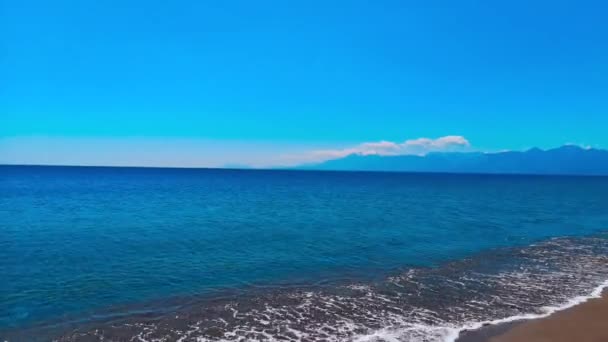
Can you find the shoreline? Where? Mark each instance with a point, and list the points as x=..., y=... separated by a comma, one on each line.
x=203, y=315
x=582, y=317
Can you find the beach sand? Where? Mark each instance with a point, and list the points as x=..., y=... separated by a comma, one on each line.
x=587, y=322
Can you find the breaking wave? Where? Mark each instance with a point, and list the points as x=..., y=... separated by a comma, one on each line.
x=418, y=304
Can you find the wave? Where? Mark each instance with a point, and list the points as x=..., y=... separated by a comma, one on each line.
x=451, y=334
x=418, y=304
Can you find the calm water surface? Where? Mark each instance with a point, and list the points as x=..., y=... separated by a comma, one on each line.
x=75, y=242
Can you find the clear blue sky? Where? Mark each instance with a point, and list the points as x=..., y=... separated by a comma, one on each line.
x=249, y=82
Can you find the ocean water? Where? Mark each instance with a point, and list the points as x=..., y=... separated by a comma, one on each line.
x=205, y=255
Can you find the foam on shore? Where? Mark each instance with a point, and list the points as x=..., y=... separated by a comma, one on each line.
x=419, y=304
x=548, y=311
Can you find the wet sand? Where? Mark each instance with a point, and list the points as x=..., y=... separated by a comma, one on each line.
x=587, y=322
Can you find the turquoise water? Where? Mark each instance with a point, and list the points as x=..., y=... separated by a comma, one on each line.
x=77, y=241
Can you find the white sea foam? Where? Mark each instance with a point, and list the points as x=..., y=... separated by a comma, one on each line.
x=419, y=305
x=451, y=334
x=547, y=311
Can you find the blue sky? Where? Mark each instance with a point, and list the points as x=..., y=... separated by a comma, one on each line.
x=208, y=83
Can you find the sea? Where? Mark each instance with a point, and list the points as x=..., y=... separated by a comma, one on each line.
x=169, y=254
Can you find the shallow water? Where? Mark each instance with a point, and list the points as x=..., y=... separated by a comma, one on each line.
x=298, y=255
x=420, y=304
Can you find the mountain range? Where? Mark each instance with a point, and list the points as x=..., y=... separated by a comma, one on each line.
x=564, y=160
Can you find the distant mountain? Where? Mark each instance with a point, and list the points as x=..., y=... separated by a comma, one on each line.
x=565, y=160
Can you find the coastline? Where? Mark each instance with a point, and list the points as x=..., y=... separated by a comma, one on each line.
x=352, y=308
x=583, y=318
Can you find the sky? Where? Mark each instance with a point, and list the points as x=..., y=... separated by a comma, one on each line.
x=270, y=83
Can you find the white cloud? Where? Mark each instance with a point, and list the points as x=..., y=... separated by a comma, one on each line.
x=420, y=146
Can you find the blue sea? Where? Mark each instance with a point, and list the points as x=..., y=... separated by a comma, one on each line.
x=159, y=254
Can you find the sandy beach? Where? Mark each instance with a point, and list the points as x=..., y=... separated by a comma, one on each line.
x=587, y=322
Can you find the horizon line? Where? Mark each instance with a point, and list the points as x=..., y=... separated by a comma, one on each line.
x=286, y=169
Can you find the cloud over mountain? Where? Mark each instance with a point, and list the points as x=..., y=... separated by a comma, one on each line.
x=564, y=160
x=419, y=146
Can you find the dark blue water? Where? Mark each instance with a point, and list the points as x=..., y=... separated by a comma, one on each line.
x=76, y=241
